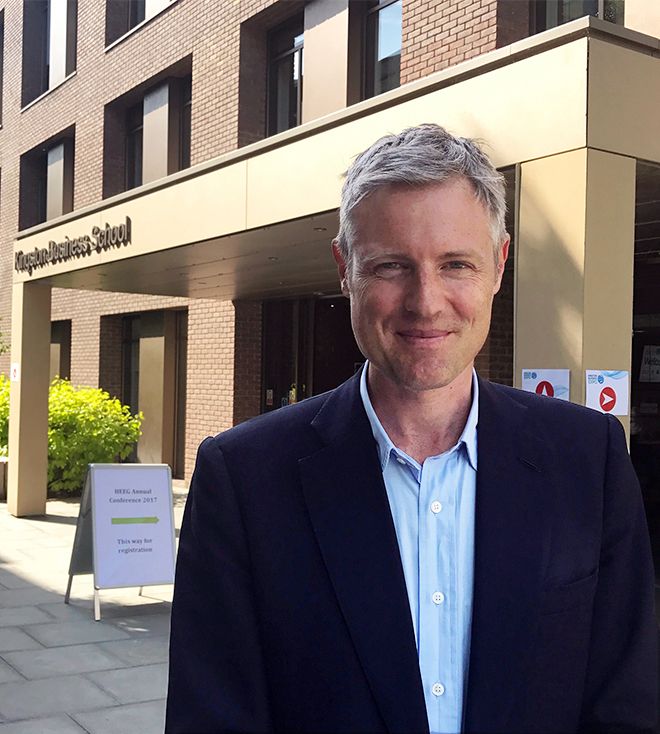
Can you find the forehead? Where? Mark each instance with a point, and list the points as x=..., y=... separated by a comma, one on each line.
x=440, y=213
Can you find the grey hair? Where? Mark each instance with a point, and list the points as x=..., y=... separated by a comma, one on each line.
x=420, y=156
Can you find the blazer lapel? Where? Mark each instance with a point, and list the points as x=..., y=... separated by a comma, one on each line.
x=350, y=513
x=511, y=544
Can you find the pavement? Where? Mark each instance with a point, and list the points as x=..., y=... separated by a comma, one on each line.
x=60, y=671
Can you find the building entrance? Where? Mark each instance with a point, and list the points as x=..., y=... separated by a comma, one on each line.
x=308, y=348
x=645, y=366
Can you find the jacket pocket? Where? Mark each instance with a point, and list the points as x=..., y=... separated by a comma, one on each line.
x=568, y=596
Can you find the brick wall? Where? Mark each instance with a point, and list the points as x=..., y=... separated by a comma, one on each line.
x=247, y=360
x=436, y=35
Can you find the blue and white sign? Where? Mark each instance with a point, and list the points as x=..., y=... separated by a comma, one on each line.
x=608, y=391
x=551, y=383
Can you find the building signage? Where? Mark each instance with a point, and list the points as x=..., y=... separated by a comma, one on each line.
x=100, y=239
x=549, y=382
x=607, y=391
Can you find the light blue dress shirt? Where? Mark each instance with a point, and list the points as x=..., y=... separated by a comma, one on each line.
x=433, y=507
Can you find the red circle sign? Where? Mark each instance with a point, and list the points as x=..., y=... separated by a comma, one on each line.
x=607, y=399
x=545, y=388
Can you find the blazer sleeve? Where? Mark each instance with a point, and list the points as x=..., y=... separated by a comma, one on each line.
x=217, y=681
x=621, y=692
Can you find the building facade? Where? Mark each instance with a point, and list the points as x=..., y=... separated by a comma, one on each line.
x=170, y=176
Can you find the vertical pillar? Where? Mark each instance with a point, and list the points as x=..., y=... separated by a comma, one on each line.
x=155, y=137
x=574, y=269
x=57, y=42
x=28, y=405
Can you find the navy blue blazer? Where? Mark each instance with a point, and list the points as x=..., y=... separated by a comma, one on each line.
x=290, y=611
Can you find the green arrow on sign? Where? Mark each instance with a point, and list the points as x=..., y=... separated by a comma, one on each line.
x=134, y=520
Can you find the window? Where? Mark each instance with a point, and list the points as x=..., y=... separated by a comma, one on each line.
x=46, y=180
x=382, y=47
x=60, y=349
x=285, y=76
x=123, y=15
x=49, y=45
x=147, y=131
x=551, y=13
x=134, y=132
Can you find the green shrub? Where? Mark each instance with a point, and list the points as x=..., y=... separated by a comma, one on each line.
x=85, y=426
x=4, y=414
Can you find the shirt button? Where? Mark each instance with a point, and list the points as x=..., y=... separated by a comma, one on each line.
x=438, y=689
x=438, y=597
x=436, y=507
x=400, y=460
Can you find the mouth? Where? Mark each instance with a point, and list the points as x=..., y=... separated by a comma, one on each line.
x=425, y=337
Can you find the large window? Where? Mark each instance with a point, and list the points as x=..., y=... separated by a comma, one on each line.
x=551, y=13
x=46, y=180
x=49, y=45
x=147, y=131
x=121, y=16
x=382, y=47
x=285, y=76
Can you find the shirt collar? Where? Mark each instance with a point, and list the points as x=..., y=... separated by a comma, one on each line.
x=468, y=437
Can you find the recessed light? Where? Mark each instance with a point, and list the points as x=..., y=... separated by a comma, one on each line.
x=273, y=259
x=320, y=229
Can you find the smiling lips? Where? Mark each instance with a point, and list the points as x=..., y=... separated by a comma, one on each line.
x=423, y=336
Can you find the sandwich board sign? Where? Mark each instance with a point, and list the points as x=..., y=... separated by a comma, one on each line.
x=125, y=529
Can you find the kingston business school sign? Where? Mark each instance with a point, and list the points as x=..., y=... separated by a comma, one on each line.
x=100, y=239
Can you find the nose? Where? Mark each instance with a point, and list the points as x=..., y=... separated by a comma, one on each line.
x=425, y=296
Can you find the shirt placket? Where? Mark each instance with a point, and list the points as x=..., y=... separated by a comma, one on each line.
x=437, y=561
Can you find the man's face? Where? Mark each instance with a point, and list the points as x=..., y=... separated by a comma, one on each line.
x=421, y=281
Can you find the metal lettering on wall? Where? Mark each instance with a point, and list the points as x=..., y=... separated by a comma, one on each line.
x=102, y=238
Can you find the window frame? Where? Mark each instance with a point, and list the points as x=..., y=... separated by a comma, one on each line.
x=368, y=53
x=538, y=14
x=297, y=21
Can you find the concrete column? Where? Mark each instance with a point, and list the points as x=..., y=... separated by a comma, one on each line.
x=55, y=181
x=574, y=268
x=325, y=58
x=28, y=405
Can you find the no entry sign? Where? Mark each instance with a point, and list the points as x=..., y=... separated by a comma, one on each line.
x=607, y=391
x=550, y=383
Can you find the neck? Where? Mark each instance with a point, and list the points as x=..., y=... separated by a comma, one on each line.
x=421, y=423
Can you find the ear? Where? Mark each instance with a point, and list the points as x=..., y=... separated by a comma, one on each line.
x=342, y=268
x=502, y=255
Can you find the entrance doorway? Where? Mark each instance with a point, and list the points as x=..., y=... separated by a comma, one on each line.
x=645, y=377
x=308, y=348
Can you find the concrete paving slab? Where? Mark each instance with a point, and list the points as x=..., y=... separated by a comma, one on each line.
x=25, y=597
x=69, y=660
x=8, y=674
x=52, y=725
x=145, y=624
x=13, y=638
x=22, y=616
x=139, y=651
x=145, y=718
x=67, y=612
x=11, y=577
x=132, y=685
x=57, y=634
x=66, y=694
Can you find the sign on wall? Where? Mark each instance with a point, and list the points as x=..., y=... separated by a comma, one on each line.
x=125, y=530
x=608, y=390
x=551, y=383
x=650, y=370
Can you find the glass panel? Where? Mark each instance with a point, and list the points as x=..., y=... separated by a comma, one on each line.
x=613, y=11
x=578, y=8
x=285, y=77
x=186, y=123
x=383, y=50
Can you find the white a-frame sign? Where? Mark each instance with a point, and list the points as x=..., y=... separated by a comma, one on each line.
x=125, y=529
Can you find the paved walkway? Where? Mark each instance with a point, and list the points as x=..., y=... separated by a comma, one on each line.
x=60, y=671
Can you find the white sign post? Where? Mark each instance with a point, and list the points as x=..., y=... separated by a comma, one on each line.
x=551, y=383
x=608, y=390
x=125, y=531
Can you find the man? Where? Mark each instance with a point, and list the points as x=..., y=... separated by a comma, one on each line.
x=417, y=550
